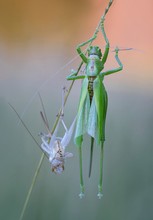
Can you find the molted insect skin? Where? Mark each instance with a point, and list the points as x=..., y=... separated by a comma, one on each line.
x=56, y=154
x=57, y=166
x=55, y=147
x=58, y=159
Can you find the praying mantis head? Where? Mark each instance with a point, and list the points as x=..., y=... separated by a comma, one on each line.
x=95, y=50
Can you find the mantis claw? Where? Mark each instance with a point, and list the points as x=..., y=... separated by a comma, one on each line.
x=81, y=195
x=116, y=49
x=100, y=195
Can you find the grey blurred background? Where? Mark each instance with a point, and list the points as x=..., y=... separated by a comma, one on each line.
x=37, y=40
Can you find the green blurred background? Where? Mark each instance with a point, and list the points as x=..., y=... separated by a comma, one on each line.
x=37, y=39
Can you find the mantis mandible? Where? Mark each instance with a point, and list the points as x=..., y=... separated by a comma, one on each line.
x=92, y=107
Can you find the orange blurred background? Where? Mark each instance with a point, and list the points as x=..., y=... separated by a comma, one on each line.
x=52, y=28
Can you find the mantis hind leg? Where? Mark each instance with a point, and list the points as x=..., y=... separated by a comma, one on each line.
x=91, y=155
x=101, y=171
x=81, y=195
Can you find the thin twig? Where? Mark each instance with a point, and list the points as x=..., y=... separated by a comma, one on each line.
x=31, y=186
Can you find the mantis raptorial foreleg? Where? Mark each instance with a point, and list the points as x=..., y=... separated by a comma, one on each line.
x=82, y=55
x=116, y=69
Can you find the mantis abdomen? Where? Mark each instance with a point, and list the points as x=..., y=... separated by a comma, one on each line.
x=90, y=87
x=91, y=93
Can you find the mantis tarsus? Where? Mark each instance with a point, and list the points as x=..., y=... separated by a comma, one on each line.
x=92, y=108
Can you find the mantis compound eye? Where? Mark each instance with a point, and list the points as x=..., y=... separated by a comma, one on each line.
x=95, y=50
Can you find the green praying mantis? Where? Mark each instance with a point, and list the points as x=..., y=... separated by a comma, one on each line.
x=91, y=116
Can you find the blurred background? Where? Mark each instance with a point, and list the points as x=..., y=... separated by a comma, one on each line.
x=37, y=51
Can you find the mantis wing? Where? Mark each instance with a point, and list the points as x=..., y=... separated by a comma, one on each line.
x=54, y=136
x=100, y=97
x=45, y=146
x=83, y=111
x=68, y=155
x=68, y=134
x=93, y=121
